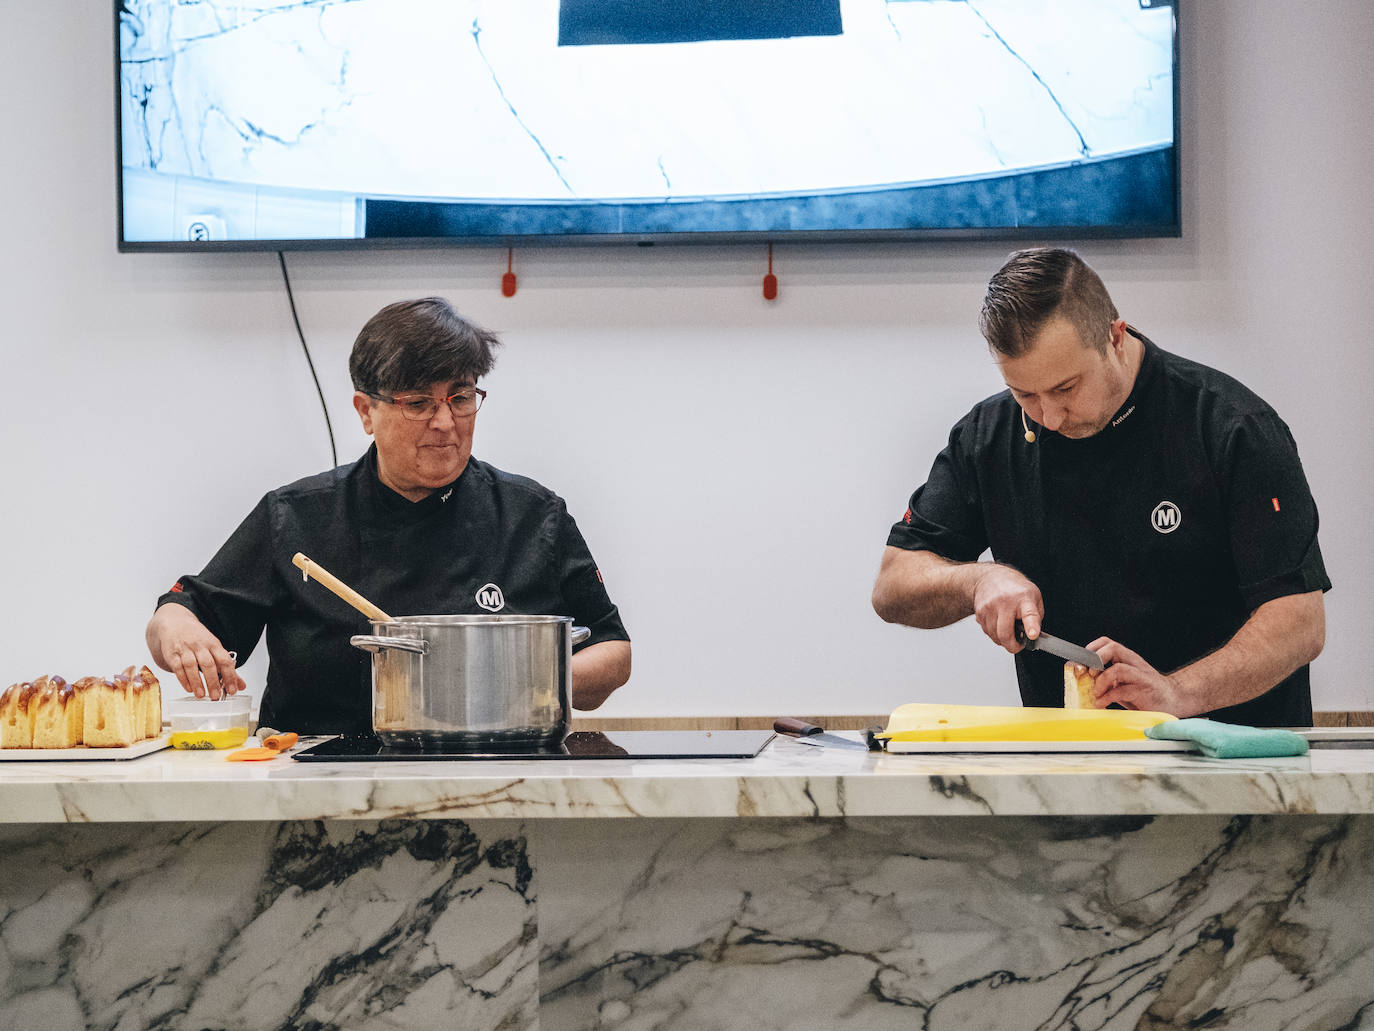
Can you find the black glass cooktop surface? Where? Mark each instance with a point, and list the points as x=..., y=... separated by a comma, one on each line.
x=580, y=744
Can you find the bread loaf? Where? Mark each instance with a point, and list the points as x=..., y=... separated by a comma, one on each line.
x=17, y=710
x=147, y=701
x=101, y=712
x=57, y=716
x=1078, y=687
x=108, y=712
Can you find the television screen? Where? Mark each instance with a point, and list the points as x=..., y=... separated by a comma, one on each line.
x=332, y=123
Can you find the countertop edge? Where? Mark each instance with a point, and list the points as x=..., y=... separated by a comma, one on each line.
x=711, y=793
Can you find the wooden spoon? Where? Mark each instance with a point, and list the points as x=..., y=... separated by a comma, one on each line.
x=329, y=580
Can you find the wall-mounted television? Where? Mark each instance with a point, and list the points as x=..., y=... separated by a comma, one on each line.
x=271, y=124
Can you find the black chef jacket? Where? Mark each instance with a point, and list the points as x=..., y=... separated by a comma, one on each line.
x=1164, y=531
x=487, y=529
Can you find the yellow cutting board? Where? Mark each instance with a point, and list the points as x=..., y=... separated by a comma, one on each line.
x=932, y=722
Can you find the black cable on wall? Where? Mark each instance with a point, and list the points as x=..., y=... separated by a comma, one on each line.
x=333, y=451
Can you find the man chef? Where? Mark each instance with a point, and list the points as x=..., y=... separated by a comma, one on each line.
x=417, y=526
x=1132, y=499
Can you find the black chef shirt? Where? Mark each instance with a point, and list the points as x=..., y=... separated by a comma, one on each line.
x=431, y=557
x=1164, y=531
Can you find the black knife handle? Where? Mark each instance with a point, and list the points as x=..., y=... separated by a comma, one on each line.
x=875, y=744
x=797, y=728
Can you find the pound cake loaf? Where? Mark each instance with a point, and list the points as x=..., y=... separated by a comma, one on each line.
x=108, y=712
x=57, y=720
x=98, y=712
x=17, y=710
x=1078, y=687
x=147, y=701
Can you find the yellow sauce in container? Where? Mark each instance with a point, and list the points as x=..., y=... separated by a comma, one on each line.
x=199, y=724
x=207, y=739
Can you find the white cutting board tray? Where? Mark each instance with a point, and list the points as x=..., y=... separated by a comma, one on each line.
x=83, y=754
x=1146, y=745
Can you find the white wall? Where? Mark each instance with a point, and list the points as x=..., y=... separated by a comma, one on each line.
x=735, y=464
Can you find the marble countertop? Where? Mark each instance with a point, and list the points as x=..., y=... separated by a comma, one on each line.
x=787, y=779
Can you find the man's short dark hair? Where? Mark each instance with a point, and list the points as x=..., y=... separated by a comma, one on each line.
x=1036, y=285
x=412, y=344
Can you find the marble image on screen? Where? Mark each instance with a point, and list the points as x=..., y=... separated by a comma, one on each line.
x=291, y=119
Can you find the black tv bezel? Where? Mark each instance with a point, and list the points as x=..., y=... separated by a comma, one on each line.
x=1011, y=233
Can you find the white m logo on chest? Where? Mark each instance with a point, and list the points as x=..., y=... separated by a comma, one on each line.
x=489, y=597
x=1166, y=517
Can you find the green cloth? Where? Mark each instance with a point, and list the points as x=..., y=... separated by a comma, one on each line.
x=1229, y=741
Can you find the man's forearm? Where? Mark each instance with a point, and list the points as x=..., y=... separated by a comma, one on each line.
x=1279, y=637
x=597, y=670
x=921, y=589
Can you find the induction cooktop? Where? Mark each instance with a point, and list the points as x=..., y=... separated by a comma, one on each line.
x=580, y=744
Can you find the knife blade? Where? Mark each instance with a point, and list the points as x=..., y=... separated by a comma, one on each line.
x=1057, y=646
x=811, y=734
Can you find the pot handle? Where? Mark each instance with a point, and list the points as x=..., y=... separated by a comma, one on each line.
x=580, y=634
x=372, y=644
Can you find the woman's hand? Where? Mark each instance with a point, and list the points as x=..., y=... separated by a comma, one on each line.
x=180, y=644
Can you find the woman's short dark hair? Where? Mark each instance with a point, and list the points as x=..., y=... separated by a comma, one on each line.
x=412, y=344
x=1036, y=285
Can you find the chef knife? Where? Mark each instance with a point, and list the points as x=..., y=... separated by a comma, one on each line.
x=1055, y=646
x=810, y=734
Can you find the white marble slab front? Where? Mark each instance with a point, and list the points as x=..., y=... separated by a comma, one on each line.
x=246, y=926
x=964, y=924
x=806, y=889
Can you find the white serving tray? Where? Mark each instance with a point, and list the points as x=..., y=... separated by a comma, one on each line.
x=82, y=753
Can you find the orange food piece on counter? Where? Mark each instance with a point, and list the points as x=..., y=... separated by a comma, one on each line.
x=281, y=742
x=250, y=755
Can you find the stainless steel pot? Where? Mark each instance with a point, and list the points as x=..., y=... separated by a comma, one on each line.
x=498, y=681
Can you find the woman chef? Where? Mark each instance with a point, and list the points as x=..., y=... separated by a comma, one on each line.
x=417, y=525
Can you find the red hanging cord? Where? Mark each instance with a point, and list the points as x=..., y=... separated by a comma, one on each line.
x=770, y=281
x=508, y=280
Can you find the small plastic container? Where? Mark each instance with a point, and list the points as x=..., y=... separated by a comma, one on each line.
x=202, y=724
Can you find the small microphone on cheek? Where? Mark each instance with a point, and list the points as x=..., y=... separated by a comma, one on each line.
x=1030, y=433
